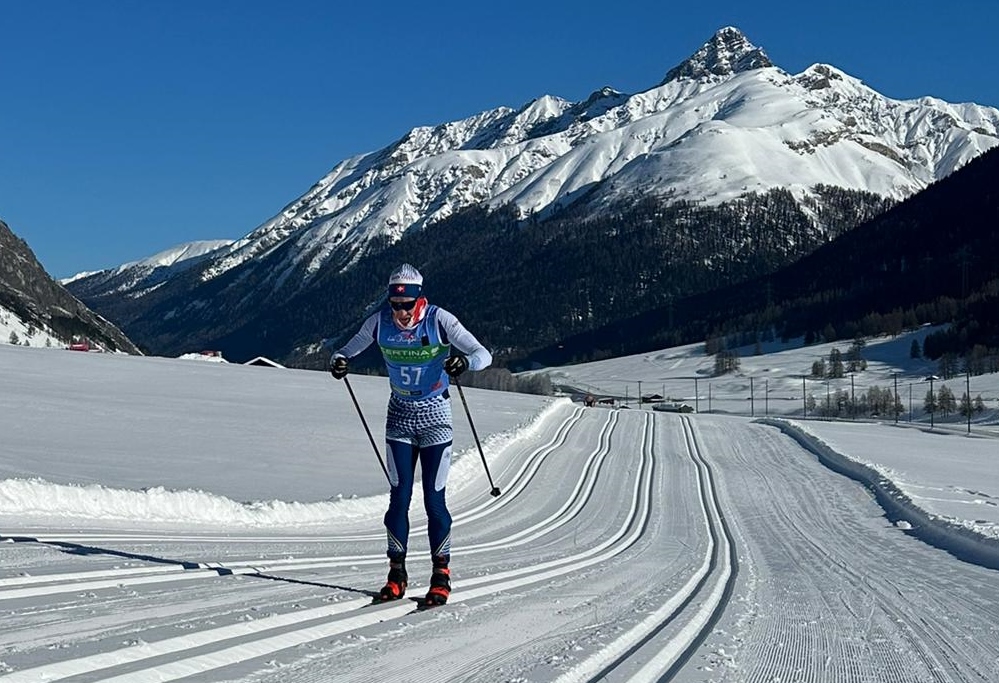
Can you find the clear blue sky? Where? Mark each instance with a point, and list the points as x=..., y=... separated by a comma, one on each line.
x=127, y=127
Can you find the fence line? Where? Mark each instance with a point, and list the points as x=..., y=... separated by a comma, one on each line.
x=968, y=401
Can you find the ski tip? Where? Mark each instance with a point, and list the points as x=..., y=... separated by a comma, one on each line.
x=422, y=605
x=379, y=599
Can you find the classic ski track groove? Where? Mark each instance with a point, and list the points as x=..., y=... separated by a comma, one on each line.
x=17, y=587
x=712, y=583
x=339, y=618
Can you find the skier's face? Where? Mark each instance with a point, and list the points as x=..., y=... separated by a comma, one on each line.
x=402, y=310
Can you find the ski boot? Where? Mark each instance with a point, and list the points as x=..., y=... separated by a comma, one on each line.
x=440, y=582
x=395, y=586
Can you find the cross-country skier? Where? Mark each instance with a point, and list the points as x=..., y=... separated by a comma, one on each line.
x=415, y=339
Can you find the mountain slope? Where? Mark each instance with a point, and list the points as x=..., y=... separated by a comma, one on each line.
x=724, y=124
x=38, y=302
x=927, y=260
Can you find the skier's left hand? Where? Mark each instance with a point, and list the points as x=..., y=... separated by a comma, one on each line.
x=455, y=365
x=338, y=367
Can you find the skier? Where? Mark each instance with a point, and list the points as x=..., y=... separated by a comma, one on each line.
x=415, y=339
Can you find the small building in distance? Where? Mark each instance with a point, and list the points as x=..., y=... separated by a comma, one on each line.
x=263, y=362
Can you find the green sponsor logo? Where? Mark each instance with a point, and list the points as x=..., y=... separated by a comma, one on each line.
x=416, y=354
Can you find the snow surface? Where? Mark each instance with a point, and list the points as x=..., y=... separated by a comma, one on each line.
x=164, y=519
x=945, y=471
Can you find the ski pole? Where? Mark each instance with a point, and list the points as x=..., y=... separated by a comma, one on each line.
x=365, y=423
x=495, y=490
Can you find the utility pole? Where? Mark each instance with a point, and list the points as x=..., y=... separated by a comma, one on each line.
x=752, y=401
x=933, y=400
x=804, y=399
x=853, y=400
x=894, y=403
x=967, y=392
x=766, y=397
x=697, y=396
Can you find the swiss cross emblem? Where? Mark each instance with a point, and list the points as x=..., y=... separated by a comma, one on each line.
x=400, y=288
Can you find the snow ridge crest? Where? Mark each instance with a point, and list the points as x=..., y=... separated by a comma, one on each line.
x=728, y=52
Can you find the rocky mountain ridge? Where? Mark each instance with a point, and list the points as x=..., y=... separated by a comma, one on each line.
x=40, y=303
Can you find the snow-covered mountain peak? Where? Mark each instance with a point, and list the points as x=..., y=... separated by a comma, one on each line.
x=140, y=276
x=819, y=76
x=725, y=123
x=167, y=257
x=181, y=252
x=728, y=52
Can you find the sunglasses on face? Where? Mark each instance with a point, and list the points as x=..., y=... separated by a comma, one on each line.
x=402, y=305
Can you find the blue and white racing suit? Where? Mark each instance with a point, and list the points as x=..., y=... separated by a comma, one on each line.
x=418, y=425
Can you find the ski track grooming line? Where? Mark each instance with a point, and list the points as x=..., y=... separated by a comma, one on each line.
x=573, y=504
x=714, y=580
x=315, y=624
x=555, y=442
x=524, y=474
x=32, y=586
x=915, y=632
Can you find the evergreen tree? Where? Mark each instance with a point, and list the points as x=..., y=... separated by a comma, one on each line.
x=835, y=364
x=966, y=408
x=726, y=361
x=946, y=402
x=819, y=368
x=855, y=356
x=930, y=403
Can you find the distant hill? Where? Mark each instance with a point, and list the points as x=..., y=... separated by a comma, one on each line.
x=40, y=303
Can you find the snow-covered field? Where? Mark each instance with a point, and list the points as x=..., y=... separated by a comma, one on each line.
x=166, y=519
x=945, y=468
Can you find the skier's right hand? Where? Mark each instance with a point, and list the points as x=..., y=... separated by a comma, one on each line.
x=455, y=365
x=338, y=367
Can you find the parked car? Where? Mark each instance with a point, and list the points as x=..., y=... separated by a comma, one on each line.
x=673, y=407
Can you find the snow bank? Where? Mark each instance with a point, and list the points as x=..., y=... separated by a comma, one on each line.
x=958, y=540
x=38, y=498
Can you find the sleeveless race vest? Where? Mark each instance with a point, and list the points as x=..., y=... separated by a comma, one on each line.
x=414, y=358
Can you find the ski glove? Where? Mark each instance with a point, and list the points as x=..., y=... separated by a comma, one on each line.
x=338, y=368
x=455, y=365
